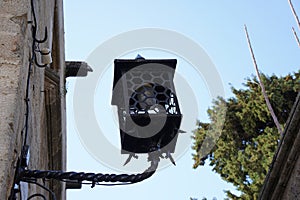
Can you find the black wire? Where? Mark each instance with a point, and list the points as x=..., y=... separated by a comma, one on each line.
x=33, y=12
x=101, y=184
x=34, y=27
x=115, y=184
x=41, y=186
x=28, y=75
x=34, y=46
x=27, y=92
x=36, y=195
x=27, y=103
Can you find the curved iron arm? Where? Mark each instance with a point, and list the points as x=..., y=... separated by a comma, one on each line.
x=25, y=174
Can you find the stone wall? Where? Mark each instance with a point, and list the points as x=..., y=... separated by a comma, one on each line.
x=293, y=187
x=46, y=127
x=283, y=179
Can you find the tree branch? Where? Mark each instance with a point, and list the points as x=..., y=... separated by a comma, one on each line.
x=294, y=13
x=296, y=36
x=297, y=20
x=262, y=85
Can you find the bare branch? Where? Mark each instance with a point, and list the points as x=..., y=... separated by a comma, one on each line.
x=262, y=85
x=294, y=13
x=296, y=36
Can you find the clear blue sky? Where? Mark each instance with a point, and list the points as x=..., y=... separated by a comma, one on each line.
x=217, y=26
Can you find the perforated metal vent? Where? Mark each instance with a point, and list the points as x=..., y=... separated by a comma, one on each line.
x=152, y=98
x=149, y=92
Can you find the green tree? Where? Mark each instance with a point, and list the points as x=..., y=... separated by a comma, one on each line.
x=248, y=140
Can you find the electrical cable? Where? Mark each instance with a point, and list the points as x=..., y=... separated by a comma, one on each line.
x=27, y=103
x=36, y=195
x=43, y=187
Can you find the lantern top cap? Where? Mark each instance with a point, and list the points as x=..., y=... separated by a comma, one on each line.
x=122, y=66
x=139, y=59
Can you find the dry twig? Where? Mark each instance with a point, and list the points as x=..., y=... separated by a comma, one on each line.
x=294, y=13
x=262, y=85
x=296, y=36
x=297, y=20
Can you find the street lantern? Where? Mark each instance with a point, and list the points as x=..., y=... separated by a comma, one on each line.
x=149, y=122
x=148, y=109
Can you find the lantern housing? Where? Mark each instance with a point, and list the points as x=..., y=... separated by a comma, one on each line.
x=148, y=109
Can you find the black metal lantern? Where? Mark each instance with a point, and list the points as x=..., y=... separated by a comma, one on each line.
x=148, y=109
x=149, y=121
